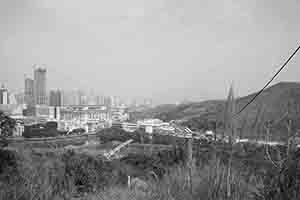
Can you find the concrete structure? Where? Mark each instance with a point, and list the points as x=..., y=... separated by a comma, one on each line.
x=19, y=129
x=29, y=91
x=12, y=99
x=40, y=89
x=12, y=109
x=119, y=114
x=44, y=111
x=88, y=117
x=108, y=101
x=55, y=98
x=100, y=100
x=151, y=124
x=72, y=97
x=4, y=95
x=20, y=98
x=83, y=100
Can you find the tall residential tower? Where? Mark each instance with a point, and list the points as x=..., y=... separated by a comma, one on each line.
x=29, y=91
x=40, y=91
x=4, y=95
x=55, y=98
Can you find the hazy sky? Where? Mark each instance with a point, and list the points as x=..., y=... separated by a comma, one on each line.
x=169, y=50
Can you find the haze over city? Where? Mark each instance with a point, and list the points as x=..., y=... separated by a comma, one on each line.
x=167, y=50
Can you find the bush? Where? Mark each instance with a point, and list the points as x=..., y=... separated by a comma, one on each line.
x=87, y=173
x=208, y=183
x=29, y=177
x=111, y=134
x=283, y=182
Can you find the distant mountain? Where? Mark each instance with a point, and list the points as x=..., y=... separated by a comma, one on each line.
x=272, y=104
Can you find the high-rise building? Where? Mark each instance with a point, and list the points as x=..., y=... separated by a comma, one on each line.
x=55, y=98
x=83, y=100
x=107, y=101
x=40, y=93
x=20, y=98
x=66, y=98
x=100, y=100
x=12, y=98
x=29, y=91
x=72, y=97
x=4, y=95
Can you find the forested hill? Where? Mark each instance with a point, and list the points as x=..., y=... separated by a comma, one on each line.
x=272, y=104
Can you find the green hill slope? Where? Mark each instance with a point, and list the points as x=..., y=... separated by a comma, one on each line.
x=272, y=104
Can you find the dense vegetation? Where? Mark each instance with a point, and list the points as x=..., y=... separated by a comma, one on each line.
x=7, y=125
x=25, y=175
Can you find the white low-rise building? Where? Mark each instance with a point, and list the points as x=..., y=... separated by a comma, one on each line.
x=88, y=117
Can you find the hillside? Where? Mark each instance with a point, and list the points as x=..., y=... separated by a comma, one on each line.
x=137, y=114
x=270, y=105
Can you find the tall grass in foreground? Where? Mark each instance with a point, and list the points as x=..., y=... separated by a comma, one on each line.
x=209, y=182
x=25, y=178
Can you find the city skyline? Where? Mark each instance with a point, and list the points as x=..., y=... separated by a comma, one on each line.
x=36, y=92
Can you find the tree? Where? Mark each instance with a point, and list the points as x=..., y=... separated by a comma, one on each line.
x=7, y=126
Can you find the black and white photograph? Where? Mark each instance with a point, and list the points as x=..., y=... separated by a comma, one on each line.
x=149, y=99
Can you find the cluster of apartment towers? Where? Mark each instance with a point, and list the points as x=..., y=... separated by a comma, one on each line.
x=35, y=92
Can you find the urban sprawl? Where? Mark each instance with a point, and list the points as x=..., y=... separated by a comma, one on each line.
x=73, y=111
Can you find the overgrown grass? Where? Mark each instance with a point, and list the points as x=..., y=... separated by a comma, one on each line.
x=207, y=183
x=24, y=175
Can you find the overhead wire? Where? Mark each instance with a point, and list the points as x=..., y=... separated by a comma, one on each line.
x=268, y=83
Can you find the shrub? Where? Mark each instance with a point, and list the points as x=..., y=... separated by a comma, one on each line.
x=110, y=134
x=283, y=182
x=31, y=177
x=208, y=183
x=87, y=173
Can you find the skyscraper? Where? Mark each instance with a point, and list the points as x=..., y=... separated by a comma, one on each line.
x=71, y=97
x=20, y=97
x=65, y=96
x=4, y=95
x=29, y=91
x=55, y=98
x=40, y=93
x=100, y=100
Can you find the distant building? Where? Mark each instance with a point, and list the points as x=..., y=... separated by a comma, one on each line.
x=119, y=114
x=55, y=98
x=20, y=98
x=4, y=95
x=72, y=97
x=100, y=100
x=92, y=100
x=40, y=93
x=13, y=110
x=87, y=117
x=19, y=129
x=12, y=99
x=83, y=100
x=115, y=101
x=29, y=91
x=44, y=111
x=152, y=124
x=66, y=99
x=107, y=101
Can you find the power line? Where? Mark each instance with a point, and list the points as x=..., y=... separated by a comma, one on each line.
x=267, y=84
